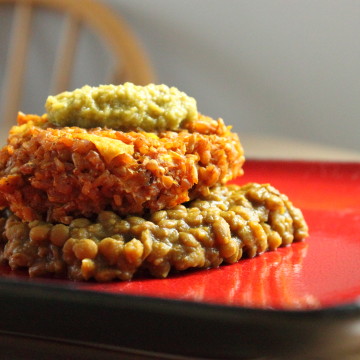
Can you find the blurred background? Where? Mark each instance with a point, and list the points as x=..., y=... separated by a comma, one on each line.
x=288, y=69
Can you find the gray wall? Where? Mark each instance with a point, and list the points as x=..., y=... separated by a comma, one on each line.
x=285, y=67
x=276, y=67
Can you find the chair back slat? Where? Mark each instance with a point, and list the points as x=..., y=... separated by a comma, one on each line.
x=16, y=62
x=65, y=56
x=130, y=62
x=118, y=75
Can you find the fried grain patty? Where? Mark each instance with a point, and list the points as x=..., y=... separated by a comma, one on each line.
x=57, y=174
x=228, y=223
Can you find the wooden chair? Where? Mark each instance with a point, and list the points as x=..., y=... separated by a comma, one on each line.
x=130, y=60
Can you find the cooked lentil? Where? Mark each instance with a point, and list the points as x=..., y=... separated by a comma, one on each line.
x=226, y=224
x=59, y=174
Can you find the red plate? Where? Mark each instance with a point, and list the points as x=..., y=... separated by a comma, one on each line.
x=322, y=271
x=319, y=276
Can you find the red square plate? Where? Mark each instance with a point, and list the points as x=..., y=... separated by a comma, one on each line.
x=302, y=299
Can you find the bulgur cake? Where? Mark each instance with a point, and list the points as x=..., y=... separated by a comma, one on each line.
x=224, y=225
x=60, y=173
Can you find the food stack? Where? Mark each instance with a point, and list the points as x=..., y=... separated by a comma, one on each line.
x=121, y=181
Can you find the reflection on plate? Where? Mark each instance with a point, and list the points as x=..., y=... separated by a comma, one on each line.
x=272, y=280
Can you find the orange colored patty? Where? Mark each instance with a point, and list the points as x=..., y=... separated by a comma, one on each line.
x=55, y=174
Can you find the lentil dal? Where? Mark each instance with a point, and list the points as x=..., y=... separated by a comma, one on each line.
x=229, y=223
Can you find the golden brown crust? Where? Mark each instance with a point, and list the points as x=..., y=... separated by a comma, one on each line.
x=56, y=174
